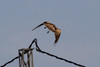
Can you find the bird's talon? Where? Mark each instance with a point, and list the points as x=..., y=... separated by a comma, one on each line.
x=48, y=32
x=44, y=27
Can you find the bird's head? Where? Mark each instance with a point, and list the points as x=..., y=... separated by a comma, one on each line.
x=46, y=22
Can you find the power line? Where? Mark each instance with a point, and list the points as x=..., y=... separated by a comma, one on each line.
x=60, y=58
x=39, y=50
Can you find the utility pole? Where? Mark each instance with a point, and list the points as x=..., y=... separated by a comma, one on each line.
x=29, y=61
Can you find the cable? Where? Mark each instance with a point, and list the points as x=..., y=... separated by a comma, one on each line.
x=58, y=57
x=39, y=50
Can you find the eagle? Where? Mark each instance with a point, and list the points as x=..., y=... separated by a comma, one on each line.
x=52, y=28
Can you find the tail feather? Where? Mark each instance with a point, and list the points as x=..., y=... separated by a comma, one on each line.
x=57, y=37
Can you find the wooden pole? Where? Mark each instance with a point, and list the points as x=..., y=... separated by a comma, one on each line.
x=32, y=59
x=29, y=61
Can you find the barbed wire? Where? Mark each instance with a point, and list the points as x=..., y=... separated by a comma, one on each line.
x=39, y=50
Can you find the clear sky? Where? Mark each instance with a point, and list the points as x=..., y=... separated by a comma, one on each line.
x=79, y=21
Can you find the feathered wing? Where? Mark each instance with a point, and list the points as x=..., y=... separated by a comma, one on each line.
x=52, y=28
x=37, y=26
x=57, y=35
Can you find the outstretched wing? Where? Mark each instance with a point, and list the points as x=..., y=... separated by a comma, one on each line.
x=37, y=26
x=57, y=35
x=52, y=28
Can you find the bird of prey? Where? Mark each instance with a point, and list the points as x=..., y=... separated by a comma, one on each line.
x=52, y=28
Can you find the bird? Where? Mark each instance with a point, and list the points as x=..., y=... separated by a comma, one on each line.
x=52, y=28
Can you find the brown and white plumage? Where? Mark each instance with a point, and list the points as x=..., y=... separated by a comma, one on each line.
x=52, y=28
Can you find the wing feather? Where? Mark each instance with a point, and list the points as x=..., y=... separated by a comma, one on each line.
x=37, y=26
x=57, y=35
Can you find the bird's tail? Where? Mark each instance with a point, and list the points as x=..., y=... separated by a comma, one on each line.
x=57, y=37
x=37, y=26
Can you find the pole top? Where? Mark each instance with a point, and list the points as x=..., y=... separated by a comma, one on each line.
x=26, y=49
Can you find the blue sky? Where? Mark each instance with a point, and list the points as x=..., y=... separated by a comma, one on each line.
x=79, y=21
